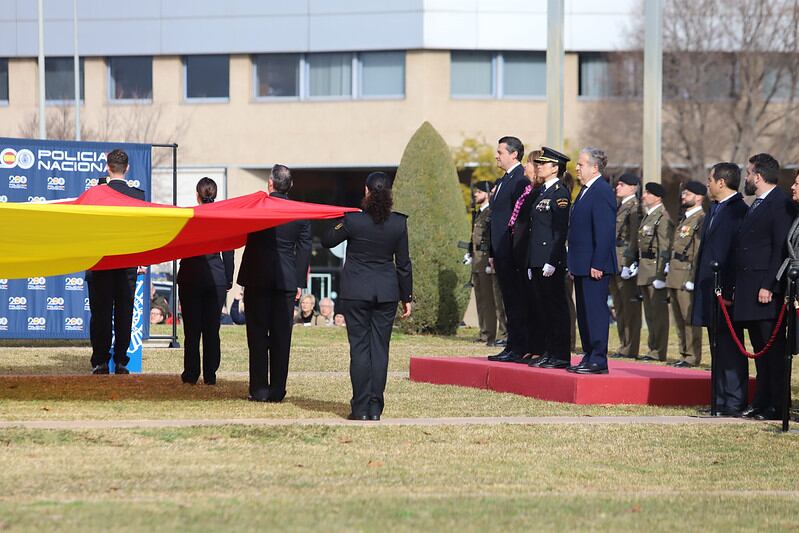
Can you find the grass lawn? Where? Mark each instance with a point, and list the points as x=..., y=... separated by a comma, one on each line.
x=370, y=477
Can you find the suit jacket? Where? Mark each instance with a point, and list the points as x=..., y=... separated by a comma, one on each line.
x=210, y=270
x=509, y=188
x=378, y=266
x=277, y=258
x=549, y=225
x=716, y=245
x=760, y=248
x=592, y=231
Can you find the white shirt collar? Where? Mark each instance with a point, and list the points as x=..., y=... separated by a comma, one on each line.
x=650, y=210
x=727, y=198
x=627, y=199
x=511, y=168
x=550, y=182
x=763, y=196
x=591, y=182
x=694, y=210
x=484, y=207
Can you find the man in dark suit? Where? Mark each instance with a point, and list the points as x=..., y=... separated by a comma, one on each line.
x=718, y=233
x=111, y=292
x=509, y=187
x=274, y=270
x=759, y=251
x=592, y=259
x=546, y=261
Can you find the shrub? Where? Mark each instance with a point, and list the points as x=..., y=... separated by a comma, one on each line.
x=426, y=189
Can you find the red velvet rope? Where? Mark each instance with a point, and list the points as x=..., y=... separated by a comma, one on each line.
x=738, y=341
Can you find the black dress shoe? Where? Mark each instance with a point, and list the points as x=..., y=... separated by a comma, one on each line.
x=574, y=368
x=591, y=368
x=618, y=355
x=374, y=417
x=524, y=359
x=500, y=342
x=769, y=413
x=100, y=369
x=496, y=357
x=555, y=363
x=682, y=364
x=751, y=412
x=353, y=416
x=535, y=362
x=121, y=369
x=728, y=413
x=647, y=358
x=274, y=397
x=509, y=357
x=260, y=395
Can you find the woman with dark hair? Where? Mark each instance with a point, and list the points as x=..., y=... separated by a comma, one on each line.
x=203, y=282
x=376, y=276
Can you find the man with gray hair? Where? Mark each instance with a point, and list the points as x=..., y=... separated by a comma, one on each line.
x=273, y=270
x=591, y=259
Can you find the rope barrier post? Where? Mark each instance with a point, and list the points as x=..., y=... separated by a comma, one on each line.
x=714, y=343
x=790, y=345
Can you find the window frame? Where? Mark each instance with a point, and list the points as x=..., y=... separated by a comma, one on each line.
x=112, y=84
x=497, y=79
x=300, y=77
x=5, y=102
x=371, y=97
x=68, y=101
x=203, y=99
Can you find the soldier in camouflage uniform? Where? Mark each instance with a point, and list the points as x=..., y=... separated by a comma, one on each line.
x=623, y=286
x=680, y=278
x=654, y=251
x=488, y=299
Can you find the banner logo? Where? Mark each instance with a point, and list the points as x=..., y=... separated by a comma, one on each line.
x=3, y=323
x=17, y=303
x=73, y=323
x=86, y=306
x=10, y=158
x=36, y=323
x=18, y=182
x=37, y=284
x=55, y=303
x=56, y=183
x=72, y=160
x=73, y=284
x=3, y=198
x=3, y=284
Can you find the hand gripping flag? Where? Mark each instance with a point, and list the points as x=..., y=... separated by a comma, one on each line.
x=104, y=229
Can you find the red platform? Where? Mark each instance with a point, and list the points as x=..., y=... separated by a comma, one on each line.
x=626, y=382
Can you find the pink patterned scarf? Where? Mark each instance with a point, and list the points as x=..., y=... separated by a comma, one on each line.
x=518, y=207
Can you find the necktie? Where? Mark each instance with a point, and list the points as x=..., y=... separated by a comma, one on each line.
x=754, y=205
x=714, y=209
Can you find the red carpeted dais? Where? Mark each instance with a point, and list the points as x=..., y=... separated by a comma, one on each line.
x=626, y=382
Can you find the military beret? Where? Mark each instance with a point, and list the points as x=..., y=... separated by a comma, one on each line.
x=548, y=155
x=484, y=186
x=629, y=179
x=695, y=187
x=655, y=188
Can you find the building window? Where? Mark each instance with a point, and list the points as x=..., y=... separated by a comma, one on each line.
x=59, y=79
x=3, y=80
x=207, y=77
x=330, y=75
x=780, y=82
x=700, y=76
x=131, y=78
x=611, y=75
x=382, y=74
x=277, y=75
x=498, y=74
x=472, y=74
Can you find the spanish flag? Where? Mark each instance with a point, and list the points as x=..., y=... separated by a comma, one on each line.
x=103, y=229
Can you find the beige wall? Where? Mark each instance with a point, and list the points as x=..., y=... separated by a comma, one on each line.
x=255, y=134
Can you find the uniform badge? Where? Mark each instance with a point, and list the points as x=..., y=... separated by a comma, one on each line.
x=646, y=230
x=685, y=231
x=339, y=225
x=543, y=205
x=562, y=202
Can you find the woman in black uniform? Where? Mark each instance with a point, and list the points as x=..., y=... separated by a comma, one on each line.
x=376, y=276
x=203, y=282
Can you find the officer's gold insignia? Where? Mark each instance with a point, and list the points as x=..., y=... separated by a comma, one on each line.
x=685, y=231
x=562, y=202
x=339, y=225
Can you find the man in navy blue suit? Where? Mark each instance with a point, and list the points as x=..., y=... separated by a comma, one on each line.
x=592, y=259
x=508, y=188
x=759, y=251
x=719, y=229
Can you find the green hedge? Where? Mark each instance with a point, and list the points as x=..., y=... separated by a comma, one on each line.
x=427, y=190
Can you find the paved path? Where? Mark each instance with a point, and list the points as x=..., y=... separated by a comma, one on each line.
x=459, y=421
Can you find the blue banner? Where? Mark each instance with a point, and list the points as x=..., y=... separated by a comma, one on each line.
x=56, y=307
x=136, y=329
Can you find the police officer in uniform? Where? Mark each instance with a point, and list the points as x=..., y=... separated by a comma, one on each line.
x=490, y=310
x=681, y=272
x=546, y=261
x=623, y=286
x=654, y=250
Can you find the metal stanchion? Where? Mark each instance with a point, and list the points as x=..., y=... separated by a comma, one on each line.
x=790, y=345
x=714, y=343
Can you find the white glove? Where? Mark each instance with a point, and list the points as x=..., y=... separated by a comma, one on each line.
x=489, y=270
x=548, y=270
x=666, y=269
x=530, y=273
x=658, y=284
x=625, y=273
x=689, y=286
x=633, y=270
x=467, y=259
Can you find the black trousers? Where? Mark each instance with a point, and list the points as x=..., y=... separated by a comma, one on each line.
x=549, y=314
x=270, y=315
x=201, y=307
x=111, y=294
x=511, y=284
x=732, y=369
x=770, y=391
x=369, y=332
